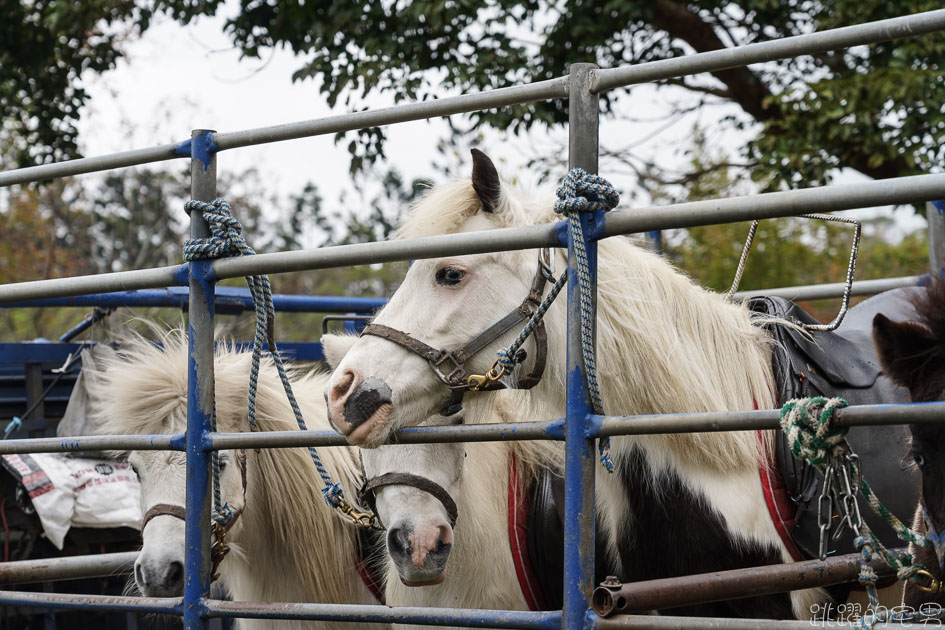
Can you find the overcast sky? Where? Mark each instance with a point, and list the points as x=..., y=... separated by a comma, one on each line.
x=177, y=78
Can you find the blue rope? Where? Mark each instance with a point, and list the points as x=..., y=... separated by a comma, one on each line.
x=580, y=192
x=226, y=240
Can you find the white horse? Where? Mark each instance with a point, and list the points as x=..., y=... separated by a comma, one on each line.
x=287, y=545
x=664, y=345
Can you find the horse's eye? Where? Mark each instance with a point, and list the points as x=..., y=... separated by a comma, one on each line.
x=919, y=459
x=449, y=277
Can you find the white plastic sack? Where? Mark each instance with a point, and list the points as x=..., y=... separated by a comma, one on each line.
x=77, y=491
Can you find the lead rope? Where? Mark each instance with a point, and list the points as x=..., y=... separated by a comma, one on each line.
x=579, y=192
x=226, y=240
x=807, y=423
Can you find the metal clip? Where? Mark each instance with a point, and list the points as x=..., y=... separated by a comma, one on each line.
x=475, y=382
x=935, y=585
x=359, y=518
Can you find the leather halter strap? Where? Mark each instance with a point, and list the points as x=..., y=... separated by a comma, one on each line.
x=455, y=360
x=367, y=491
x=163, y=509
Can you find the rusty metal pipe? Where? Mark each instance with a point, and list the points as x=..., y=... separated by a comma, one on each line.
x=735, y=584
x=71, y=568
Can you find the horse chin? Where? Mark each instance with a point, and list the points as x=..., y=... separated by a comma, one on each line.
x=437, y=580
x=374, y=431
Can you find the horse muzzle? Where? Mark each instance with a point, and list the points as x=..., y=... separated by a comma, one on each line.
x=420, y=552
x=159, y=577
x=360, y=409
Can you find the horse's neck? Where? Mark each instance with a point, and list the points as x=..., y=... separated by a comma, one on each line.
x=291, y=544
x=664, y=345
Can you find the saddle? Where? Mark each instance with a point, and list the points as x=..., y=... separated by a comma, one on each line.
x=545, y=538
x=842, y=363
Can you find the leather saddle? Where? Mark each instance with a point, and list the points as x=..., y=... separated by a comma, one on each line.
x=842, y=363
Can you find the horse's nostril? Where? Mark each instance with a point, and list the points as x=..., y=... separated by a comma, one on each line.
x=175, y=573
x=397, y=542
x=139, y=576
x=341, y=389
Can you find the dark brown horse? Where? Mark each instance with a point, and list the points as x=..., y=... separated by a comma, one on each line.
x=913, y=355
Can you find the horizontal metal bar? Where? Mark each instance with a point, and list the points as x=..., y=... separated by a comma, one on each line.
x=68, y=568
x=227, y=299
x=98, y=283
x=90, y=165
x=651, y=622
x=900, y=190
x=834, y=289
x=885, y=192
x=534, y=236
x=93, y=443
x=789, y=203
x=357, y=613
x=489, y=432
x=711, y=421
x=809, y=44
x=68, y=601
x=502, y=97
x=733, y=584
x=917, y=413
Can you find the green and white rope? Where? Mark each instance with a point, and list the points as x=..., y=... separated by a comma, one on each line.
x=807, y=423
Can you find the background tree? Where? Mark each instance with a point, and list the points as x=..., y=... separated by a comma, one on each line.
x=875, y=109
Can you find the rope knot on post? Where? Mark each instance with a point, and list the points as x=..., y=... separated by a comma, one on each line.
x=226, y=233
x=812, y=436
x=585, y=192
x=582, y=192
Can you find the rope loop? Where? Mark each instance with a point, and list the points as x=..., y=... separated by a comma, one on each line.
x=585, y=192
x=226, y=238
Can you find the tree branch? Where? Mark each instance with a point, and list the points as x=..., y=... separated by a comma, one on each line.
x=746, y=89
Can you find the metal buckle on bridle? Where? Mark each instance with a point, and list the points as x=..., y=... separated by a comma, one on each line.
x=455, y=378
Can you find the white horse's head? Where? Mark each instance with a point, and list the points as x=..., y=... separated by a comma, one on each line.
x=159, y=569
x=444, y=303
x=143, y=390
x=414, y=489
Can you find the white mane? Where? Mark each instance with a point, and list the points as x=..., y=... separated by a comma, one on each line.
x=291, y=546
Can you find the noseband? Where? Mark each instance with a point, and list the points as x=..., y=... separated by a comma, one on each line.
x=449, y=366
x=368, y=497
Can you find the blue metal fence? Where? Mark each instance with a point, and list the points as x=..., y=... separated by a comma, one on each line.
x=578, y=429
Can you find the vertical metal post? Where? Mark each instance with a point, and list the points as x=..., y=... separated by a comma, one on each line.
x=935, y=212
x=580, y=459
x=203, y=187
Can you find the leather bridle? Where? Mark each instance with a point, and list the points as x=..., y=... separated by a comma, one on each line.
x=449, y=366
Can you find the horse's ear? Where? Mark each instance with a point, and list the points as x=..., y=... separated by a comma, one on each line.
x=903, y=348
x=485, y=181
x=335, y=347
